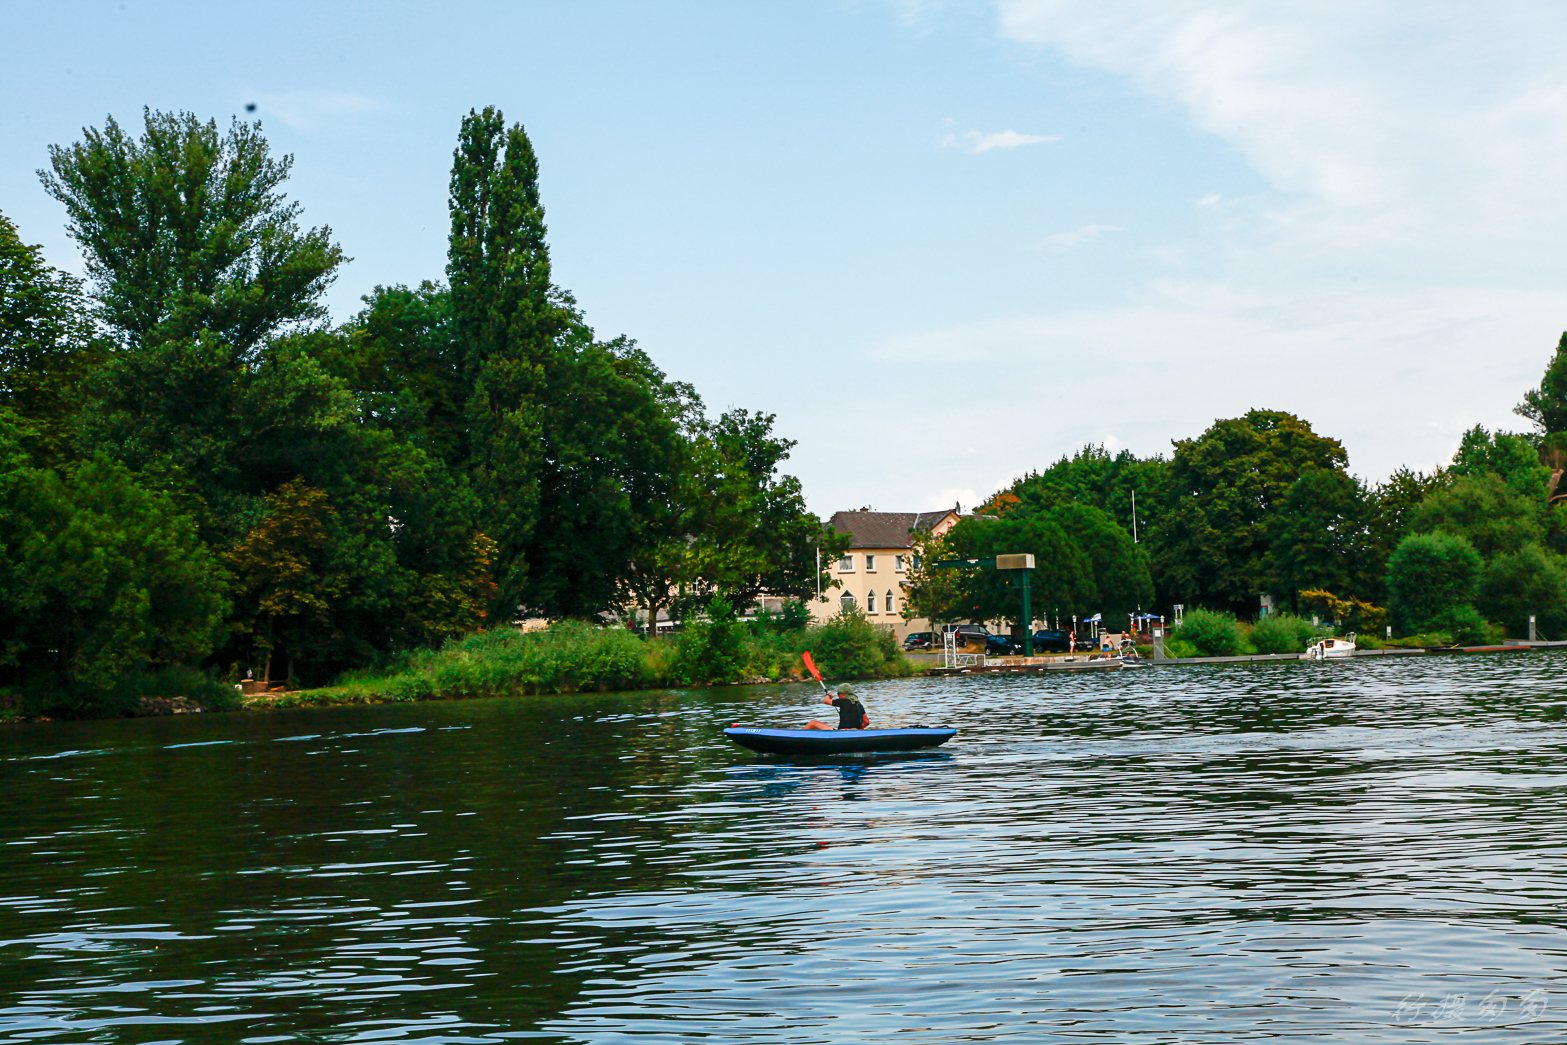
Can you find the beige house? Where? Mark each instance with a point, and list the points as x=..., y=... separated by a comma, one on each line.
x=871, y=573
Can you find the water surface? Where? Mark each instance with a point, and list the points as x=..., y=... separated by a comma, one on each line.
x=1364, y=851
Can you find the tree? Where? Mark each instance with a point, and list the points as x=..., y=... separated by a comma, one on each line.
x=1546, y=405
x=1212, y=547
x=1530, y=581
x=185, y=233
x=1513, y=457
x=735, y=528
x=1318, y=537
x=1429, y=577
x=508, y=317
x=1491, y=516
x=47, y=341
x=1094, y=477
x=1062, y=579
x=100, y=577
x=279, y=570
x=1122, y=581
x=1390, y=504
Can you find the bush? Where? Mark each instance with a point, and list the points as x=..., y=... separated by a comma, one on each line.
x=1529, y=581
x=712, y=650
x=57, y=698
x=1282, y=633
x=850, y=646
x=1178, y=650
x=1430, y=575
x=1212, y=634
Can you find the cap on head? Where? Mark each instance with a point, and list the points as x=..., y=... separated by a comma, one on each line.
x=845, y=690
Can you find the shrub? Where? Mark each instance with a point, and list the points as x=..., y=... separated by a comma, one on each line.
x=1213, y=634
x=58, y=698
x=712, y=650
x=1177, y=650
x=1529, y=581
x=1430, y=574
x=1282, y=633
x=850, y=646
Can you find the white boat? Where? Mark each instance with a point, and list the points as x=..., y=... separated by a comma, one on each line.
x=1330, y=649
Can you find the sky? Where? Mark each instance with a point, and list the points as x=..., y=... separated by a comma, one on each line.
x=944, y=243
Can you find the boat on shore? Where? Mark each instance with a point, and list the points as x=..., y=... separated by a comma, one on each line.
x=1330, y=649
x=836, y=741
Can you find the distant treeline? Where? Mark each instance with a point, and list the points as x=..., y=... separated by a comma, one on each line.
x=1261, y=504
x=197, y=467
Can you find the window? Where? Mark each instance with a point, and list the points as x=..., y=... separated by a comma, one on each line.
x=846, y=564
x=870, y=602
x=848, y=601
x=870, y=564
x=890, y=607
x=898, y=563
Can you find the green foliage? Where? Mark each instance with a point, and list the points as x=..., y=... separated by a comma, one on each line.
x=1282, y=633
x=47, y=342
x=1514, y=585
x=1319, y=536
x=1090, y=477
x=712, y=649
x=1211, y=633
x=1512, y=457
x=1492, y=516
x=1461, y=626
x=848, y=645
x=1175, y=649
x=185, y=233
x=1213, y=545
x=1084, y=563
x=1546, y=405
x=100, y=577
x=1431, y=577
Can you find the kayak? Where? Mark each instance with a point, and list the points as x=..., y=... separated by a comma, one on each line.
x=836, y=741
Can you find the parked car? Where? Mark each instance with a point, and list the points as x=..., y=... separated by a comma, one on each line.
x=968, y=634
x=919, y=640
x=1001, y=646
x=1053, y=640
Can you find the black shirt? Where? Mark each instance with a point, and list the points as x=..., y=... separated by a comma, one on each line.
x=851, y=713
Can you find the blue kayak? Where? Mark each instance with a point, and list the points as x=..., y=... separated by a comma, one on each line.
x=836, y=741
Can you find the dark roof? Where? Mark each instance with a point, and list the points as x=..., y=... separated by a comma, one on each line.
x=885, y=529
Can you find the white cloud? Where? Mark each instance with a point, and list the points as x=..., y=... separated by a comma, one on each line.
x=1077, y=237
x=974, y=141
x=1387, y=125
x=306, y=110
x=1395, y=374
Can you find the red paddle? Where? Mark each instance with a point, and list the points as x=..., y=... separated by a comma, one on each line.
x=810, y=665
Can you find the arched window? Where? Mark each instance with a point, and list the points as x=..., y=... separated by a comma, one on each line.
x=848, y=601
x=870, y=601
x=891, y=608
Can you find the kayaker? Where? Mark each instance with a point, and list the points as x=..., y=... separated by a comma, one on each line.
x=851, y=713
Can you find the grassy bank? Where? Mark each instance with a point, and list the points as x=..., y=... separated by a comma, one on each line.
x=574, y=657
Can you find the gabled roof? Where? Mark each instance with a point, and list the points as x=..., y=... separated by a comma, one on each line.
x=885, y=529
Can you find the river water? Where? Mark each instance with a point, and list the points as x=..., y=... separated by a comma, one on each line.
x=1364, y=851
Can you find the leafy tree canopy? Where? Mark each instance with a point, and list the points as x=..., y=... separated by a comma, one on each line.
x=1490, y=515
x=1546, y=405
x=1212, y=546
x=185, y=232
x=1429, y=577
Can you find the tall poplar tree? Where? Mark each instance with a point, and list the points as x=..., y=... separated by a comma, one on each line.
x=572, y=442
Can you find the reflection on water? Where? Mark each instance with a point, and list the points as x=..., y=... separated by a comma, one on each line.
x=1354, y=851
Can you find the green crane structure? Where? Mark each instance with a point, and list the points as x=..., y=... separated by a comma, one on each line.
x=1023, y=562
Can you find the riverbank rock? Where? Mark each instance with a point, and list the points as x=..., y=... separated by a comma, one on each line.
x=167, y=706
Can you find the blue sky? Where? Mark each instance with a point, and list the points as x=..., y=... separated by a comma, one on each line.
x=944, y=243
